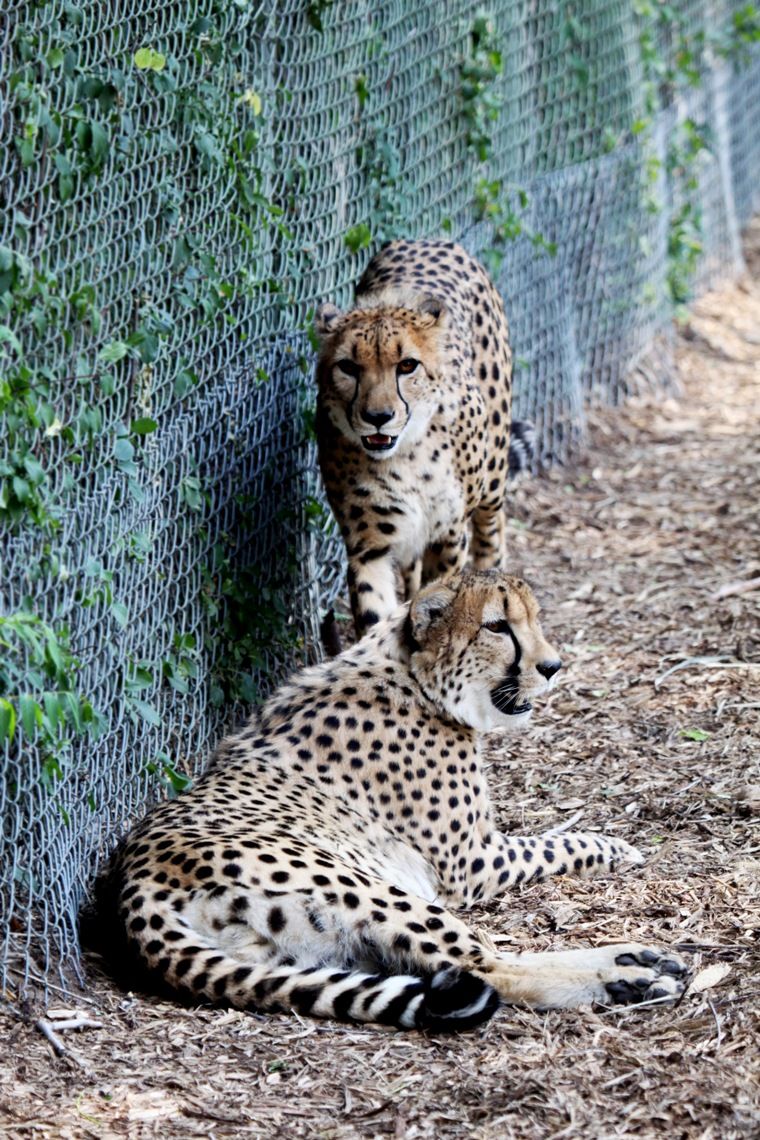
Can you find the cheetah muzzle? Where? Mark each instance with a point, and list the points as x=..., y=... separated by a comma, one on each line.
x=506, y=699
x=319, y=863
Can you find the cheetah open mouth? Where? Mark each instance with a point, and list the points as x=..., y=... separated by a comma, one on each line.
x=504, y=697
x=378, y=442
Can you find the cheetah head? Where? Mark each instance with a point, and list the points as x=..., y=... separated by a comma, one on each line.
x=377, y=371
x=477, y=649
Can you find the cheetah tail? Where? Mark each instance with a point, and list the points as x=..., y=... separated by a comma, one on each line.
x=447, y=1000
x=522, y=447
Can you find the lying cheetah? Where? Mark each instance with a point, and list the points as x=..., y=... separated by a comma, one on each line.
x=316, y=866
x=413, y=421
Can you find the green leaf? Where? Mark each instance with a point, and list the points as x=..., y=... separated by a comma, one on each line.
x=31, y=715
x=177, y=782
x=7, y=720
x=362, y=90
x=7, y=336
x=694, y=734
x=143, y=426
x=145, y=712
x=358, y=237
x=123, y=450
x=114, y=351
x=120, y=613
x=34, y=470
x=99, y=143
x=148, y=59
x=53, y=711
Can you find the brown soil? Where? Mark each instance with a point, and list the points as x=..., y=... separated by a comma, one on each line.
x=645, y=554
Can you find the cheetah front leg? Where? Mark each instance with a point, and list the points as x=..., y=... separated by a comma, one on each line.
x=447, y=556
x=489, y=538
x=371, y=587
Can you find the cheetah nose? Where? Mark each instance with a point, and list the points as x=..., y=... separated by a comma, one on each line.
x=549, y=668
x=377, y=418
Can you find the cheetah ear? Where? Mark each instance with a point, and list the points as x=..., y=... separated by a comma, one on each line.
x=326, y=319
x=429, y=604
x=433, y=307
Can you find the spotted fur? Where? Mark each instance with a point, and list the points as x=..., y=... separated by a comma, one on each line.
x=319, y=862
x=413, y=422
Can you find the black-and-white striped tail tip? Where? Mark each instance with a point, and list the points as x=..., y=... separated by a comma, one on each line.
x=454, y=1000
x=522, y=447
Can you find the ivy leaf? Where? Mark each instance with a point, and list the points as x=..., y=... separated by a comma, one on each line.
x=143, y=426
x=148, y=59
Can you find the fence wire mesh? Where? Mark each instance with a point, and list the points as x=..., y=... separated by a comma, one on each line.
x=180, y=184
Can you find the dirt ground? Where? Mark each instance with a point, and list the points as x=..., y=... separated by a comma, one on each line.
x=646, y=558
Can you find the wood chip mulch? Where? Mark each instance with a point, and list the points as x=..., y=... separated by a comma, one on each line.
x=646, y=557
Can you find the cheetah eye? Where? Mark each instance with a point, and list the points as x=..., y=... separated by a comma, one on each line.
x=407, y=365
x=497, y=626
x=349, y=367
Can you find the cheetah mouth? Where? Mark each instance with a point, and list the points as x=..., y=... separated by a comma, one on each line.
x=505, y=699
x=378, y=442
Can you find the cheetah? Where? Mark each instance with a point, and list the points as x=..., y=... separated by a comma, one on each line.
x=413, y=422
x=320, y=862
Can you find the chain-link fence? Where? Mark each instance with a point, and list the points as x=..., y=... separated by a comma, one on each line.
x=180, y=184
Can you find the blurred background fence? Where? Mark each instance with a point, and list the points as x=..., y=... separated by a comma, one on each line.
x=180, y=183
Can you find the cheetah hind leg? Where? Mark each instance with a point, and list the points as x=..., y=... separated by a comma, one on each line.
x=489, y=538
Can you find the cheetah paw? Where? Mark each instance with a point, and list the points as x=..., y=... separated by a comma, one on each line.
x=645, y=975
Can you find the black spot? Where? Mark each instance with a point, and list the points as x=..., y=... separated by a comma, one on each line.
x=276, y=920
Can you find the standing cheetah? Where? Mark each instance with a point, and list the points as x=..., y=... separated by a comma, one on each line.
x=318, y=863
x=413, y=421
